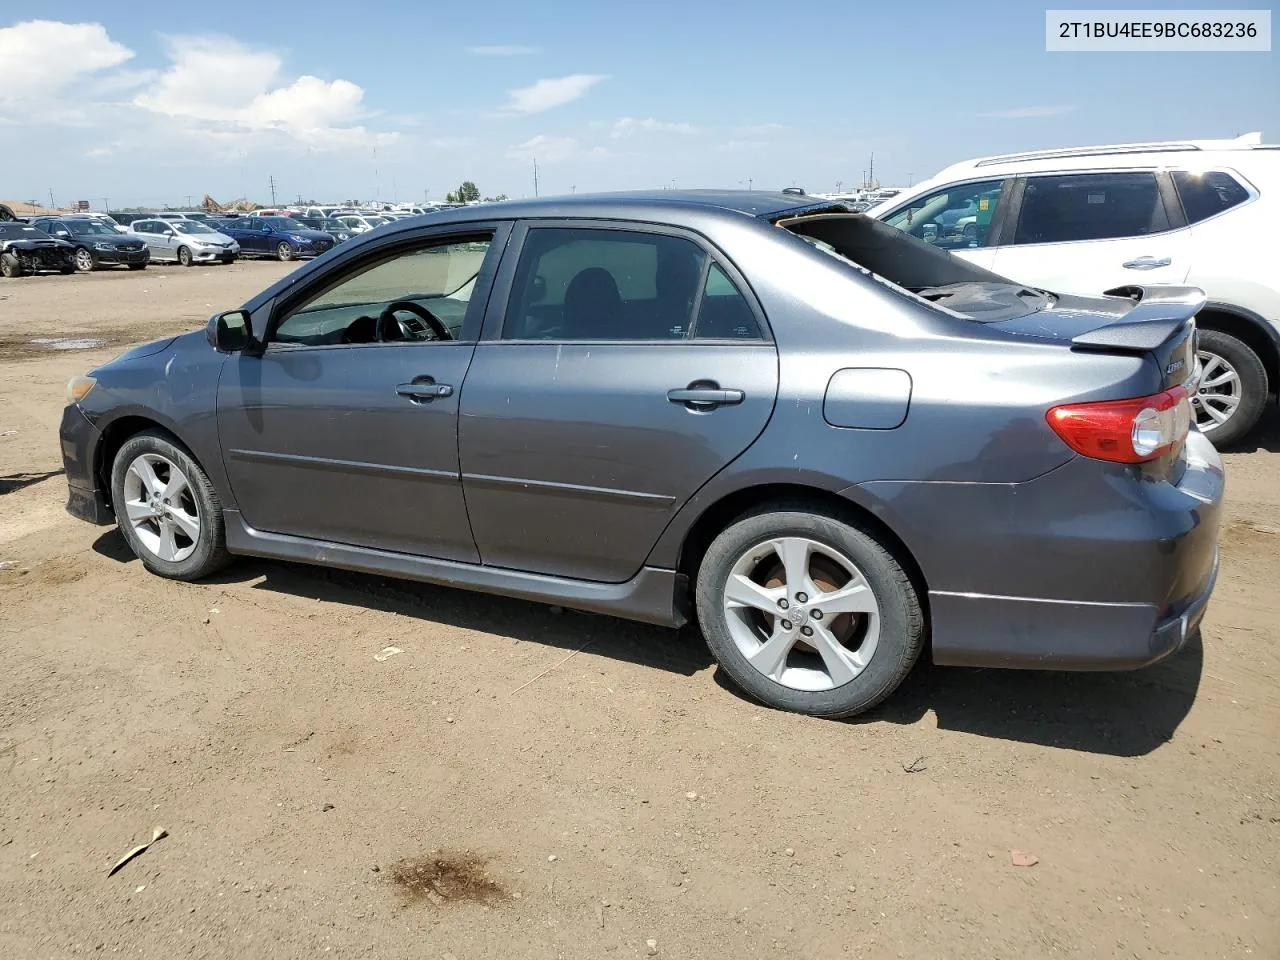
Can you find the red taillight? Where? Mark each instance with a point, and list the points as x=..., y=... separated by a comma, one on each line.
x=1124, y=431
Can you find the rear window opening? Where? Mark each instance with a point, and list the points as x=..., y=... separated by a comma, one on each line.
x=918, y=267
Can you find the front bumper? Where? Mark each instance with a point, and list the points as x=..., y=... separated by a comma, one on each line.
x=1091, y=566
x=108, y=257
x=79, y=440
x=214, y=254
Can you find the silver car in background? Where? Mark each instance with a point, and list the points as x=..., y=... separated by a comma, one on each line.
x=185, y=241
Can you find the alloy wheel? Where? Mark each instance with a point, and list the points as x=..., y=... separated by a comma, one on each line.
x=161, y=507
x=802, y=613
x=84, y=260
x=284, y=251
x=1218, y=391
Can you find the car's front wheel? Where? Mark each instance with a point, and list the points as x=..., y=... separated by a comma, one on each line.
x=807, y=613
x=284, y=251
x=167, y=509
x=184, y=256
x=1232, y=388
x=10, y=266
x=85, y=261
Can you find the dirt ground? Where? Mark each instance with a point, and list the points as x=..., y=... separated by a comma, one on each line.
x=523, y=783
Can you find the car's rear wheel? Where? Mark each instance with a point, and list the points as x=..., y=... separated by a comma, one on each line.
x=167, y=509
x=85, y=260
x=10, y=266
x=184, y=256
x=1232, y=388
x=284, y=251
x=807, y=613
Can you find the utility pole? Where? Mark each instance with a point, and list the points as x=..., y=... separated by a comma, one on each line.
x=272, y=180
x=51, y=203
x=535, y=176
x=188, y=201
x=911, y=179
x=749, y=182
x=873, y=166
x=106, y=205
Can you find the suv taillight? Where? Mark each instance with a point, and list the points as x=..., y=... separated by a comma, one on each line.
x=1125, y=431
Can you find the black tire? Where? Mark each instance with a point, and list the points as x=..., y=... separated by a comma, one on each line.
x=137, y=266
x=1254, y=386
x=10, y=266
x=86, y=262
x=184, y=256
x=211, y=553
x=284, y=252
x=902, y=622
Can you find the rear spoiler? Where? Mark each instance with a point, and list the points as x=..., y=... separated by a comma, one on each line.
x=1160, y=312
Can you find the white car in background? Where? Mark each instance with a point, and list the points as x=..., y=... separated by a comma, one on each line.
x=360, y=222
x=1089, y=220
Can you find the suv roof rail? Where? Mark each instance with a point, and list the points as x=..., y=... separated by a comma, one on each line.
x=1245, y=141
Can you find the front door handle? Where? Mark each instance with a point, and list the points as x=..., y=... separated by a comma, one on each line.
x=1146, y=263
x=424, y=389
x=699, y=397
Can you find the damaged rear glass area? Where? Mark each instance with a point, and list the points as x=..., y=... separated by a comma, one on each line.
x=918, y=267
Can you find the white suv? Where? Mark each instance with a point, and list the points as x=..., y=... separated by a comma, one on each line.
x=1092, y=219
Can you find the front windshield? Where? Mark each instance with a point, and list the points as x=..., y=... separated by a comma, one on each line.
x=191, y=226
x=90, y=228
x=376, y=221
x=283, y=223
x=332, y=225
x=20, y=231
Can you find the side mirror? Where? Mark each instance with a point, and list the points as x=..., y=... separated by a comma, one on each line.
x=229, y=332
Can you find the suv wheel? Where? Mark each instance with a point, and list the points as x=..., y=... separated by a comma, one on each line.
x=807, y=613
x=284, y=251
x=167, y=510
x=1232, y=389
x=85, y=261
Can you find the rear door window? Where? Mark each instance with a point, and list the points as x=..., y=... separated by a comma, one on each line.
x=1090, y=206
x=1204, y=195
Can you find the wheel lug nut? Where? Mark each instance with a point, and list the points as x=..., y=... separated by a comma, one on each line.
x=817, y=614
x=802, y=598
x=807, y=631
x=786, y=625
x=782, y=604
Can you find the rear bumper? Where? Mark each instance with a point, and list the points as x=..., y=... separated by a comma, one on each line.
x=1091, y=566
x=79, y=440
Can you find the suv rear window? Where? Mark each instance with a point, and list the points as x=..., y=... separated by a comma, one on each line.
x=1206, y=194
x=1092, y=206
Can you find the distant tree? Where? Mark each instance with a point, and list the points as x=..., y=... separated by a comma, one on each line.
x=464, y=194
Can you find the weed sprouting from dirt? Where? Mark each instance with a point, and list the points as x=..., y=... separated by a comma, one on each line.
x=445, y=877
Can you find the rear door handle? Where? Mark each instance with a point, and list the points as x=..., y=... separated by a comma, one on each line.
x=424, y=390
x=1146, y=263
x=704, y=398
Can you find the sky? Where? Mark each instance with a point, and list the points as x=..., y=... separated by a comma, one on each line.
x=152, y=104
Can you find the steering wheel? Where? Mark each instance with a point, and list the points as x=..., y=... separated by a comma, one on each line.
x=409, y=330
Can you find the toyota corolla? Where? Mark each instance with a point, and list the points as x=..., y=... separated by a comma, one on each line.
x=833, y=445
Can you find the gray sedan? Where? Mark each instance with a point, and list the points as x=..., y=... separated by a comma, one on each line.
x=833, y=445
x=185, y=241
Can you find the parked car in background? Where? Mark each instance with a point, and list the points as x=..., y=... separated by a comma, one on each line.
x=185, y=241
x=827, y=440
x=1093, y=219
x=360, y=222
x=336, y=229
x=182, y=215
x=281, y=237
x=97, y=243
x=26, y=249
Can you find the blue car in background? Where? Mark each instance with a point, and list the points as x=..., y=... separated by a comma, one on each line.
x=280, y=237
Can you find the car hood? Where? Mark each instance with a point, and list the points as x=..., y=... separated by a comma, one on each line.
x=142, y=350
x=309, y=234
x=214, y=238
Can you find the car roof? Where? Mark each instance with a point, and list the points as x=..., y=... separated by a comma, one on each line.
x=653, y=205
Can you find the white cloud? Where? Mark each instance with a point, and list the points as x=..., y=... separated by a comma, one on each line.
x=218, y=85
x=756, y=130
x=501, y=50
x=630, y=126
x=545, y=149
x=40, y=57
x=549, y=93
x=1022, y=113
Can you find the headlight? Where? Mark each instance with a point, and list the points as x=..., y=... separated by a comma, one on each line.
x=101, y=245
x=78, y=388
x=298, y=239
